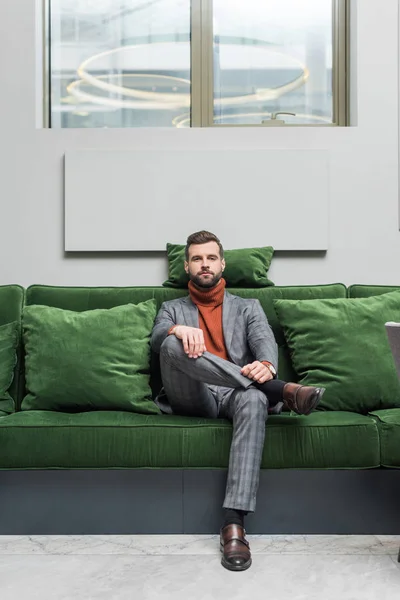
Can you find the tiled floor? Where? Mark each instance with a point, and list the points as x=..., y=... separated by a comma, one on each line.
x=188, y=567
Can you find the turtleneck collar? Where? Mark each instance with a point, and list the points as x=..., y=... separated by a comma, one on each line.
x=208, y=297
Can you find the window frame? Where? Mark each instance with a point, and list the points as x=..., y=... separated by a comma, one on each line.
x=202, y=71
x=341, y=63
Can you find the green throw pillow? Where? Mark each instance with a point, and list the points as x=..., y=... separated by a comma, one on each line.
x=342, y=345
x=245, y=268
x=9, y=335
x=92, y=360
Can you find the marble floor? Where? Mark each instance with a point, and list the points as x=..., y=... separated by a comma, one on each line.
x=188, y=567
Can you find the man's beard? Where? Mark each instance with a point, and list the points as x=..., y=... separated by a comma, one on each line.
x=206, y=283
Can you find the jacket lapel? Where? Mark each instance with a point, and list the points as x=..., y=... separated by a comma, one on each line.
x=190, y=313
x=229, y=312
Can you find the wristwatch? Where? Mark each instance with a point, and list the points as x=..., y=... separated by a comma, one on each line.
x=271, y=368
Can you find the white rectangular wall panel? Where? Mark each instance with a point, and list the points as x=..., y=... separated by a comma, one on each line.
x=140, y=200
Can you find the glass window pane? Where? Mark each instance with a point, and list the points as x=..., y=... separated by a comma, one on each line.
x=120, y=63
x=270, y=56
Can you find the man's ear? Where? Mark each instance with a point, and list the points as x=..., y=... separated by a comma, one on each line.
x=186, y=266
x=223, y=264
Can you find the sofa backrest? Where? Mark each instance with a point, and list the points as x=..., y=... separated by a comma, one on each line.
x=11, y=306
x=366, y=291
x=87, y=298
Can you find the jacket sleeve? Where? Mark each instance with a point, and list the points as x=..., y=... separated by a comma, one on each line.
x=260, y=336
x=163, y=323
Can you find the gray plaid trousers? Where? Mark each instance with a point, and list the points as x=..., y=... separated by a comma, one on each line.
x=212, y=387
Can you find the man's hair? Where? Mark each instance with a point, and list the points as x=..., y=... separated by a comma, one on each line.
x=202, y=237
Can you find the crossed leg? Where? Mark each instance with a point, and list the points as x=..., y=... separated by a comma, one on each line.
x=185, y=382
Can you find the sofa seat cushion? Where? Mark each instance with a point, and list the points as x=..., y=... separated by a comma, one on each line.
x=105, y=439
x=93, y=439
x=322, y=440
x=389, y=433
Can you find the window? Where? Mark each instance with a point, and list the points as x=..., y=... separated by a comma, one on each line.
x=196, y=63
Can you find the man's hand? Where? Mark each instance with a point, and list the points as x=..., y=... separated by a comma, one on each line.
x=192, y=340
x=257, y=372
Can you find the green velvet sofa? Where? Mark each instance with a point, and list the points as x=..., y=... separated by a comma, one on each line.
x=123, y=472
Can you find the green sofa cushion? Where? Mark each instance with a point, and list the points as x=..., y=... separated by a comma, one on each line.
x=245, y=268
x=9, y=340
x=11, y=304
x=97, y=359
x=88, y=298
x=107, y=439
x=389, y=434
x=366, y=291
x=343, y=346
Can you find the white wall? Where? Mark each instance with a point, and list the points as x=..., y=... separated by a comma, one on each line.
x=364, y=222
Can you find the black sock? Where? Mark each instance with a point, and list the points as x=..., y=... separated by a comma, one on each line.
x=234, y=516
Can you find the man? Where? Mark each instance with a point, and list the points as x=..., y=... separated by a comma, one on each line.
x=219, y=358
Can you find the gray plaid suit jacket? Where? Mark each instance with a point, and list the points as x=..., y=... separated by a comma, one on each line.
x=247, y=333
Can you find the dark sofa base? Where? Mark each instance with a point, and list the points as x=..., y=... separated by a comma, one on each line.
x=61, y=502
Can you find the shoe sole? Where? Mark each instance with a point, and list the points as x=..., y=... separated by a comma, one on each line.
x=316, y=401
x=230, y=567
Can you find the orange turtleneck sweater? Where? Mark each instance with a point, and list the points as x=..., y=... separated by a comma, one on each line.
x=209, y=304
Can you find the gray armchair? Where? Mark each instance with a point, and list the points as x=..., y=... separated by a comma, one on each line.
x=393, y=332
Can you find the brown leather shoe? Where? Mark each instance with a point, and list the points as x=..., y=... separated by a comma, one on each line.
x=300, y=398
x=235, y=548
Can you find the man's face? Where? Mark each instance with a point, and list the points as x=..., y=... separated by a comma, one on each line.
x=205, y=265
